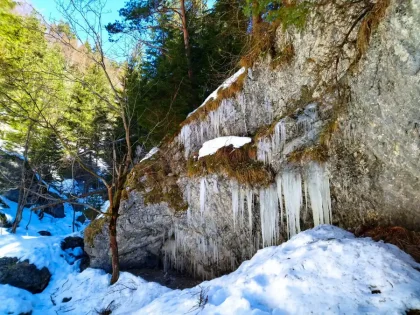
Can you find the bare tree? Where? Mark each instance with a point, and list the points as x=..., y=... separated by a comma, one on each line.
x=85, y=17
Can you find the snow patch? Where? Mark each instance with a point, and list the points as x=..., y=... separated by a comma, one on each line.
x=210, y=147
x=152, y=152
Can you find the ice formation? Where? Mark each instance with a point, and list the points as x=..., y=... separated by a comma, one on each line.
x=309, y=116
x=269, y=147
x=203, y=185
x=269, y=214
x=319, y=193
x=201, y=131
x=250, y=204
x=177, y=253
x=242, y=196
x=280, y=197
x=198, y=132
x=227, y=83
x=292, y=191
x=234, y=186
x=185, y=139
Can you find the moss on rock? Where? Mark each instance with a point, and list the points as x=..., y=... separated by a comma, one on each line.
x=94, y=228
x=157, y=182
x=237, y=163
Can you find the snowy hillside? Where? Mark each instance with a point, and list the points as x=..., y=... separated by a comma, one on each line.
x=328, y=268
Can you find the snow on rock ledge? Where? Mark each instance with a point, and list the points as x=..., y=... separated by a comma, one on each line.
x=228, y=82
x=152, y=152
x=210, y=147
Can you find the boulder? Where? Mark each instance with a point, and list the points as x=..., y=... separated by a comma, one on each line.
x=73, y=247
x=72, y=242
x=56, y=211
x=4, y=222
x=44, y=233
x=12, y=195
x=22, y=274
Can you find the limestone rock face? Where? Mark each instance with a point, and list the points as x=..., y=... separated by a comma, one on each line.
x=355, y=112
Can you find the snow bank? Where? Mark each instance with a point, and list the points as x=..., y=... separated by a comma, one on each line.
x=324, y=270
x=210, y=147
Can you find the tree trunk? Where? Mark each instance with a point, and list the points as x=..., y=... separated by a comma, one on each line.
x=23, y=194
x=115, y=201
x=256, y=17
x=186, y=39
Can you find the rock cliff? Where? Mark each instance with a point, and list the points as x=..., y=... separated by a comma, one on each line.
x=333, y=109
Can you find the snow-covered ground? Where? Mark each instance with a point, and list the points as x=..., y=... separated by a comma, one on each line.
x=48, y=223
x=325, y=270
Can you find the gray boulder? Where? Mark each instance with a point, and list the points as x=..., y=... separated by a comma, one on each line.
x=73, y=247
x=22, y=274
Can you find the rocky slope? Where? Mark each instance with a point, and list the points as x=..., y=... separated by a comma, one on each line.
x=333, y=112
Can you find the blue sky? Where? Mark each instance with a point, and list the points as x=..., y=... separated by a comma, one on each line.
x=48, y=9
x=117, y=51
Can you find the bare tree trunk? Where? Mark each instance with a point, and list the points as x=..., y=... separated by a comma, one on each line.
x=23, y=194
x=115, y=200
x=186, y=39
x=115, y=261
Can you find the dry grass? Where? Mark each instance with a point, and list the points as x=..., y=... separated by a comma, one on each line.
x=261, y=42
x=239, y=164
x=94, y=228
x=369, y=24
x=318, y=153
x=407, y=241
x=157, y=182
x=327, y=133
x=213, y=104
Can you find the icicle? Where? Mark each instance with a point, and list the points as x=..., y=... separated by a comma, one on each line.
x=305, y=188
x=267, y=148
x=279, y=137
x=292, y=190
x=319, y=193
x=235, y=201
x=215, y=188
x=189, y=215
x=185, y=139
x=280, y=197
x=203, y=185
x=269, y=213
x=250, y=202
x=241, y=206
x=188, y=193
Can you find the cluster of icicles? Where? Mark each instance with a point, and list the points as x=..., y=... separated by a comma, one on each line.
x=211, y=127
x=283, y=201
x=175, y=251
x=280, y=206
